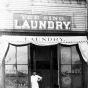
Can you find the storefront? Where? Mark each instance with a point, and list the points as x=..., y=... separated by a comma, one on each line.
x=50, y=39
x=60, y=60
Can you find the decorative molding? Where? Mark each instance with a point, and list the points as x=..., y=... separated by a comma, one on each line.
x=24, y=32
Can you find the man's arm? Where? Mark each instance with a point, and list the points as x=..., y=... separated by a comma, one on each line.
x=39, y=78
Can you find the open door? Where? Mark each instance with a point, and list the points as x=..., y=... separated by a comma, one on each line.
x=44, y=62
x=44, y=70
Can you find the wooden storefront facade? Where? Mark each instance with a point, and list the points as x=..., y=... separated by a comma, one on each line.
x=43, y=35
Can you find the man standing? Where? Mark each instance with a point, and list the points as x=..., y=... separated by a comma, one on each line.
x=34, y=80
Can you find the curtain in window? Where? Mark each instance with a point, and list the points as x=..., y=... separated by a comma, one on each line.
x=84, y=50
x=3, y=48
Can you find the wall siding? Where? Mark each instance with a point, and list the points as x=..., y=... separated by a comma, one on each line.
x=77, y=12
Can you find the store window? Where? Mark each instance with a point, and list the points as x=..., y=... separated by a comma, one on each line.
x=16, y=67
x=71, y=67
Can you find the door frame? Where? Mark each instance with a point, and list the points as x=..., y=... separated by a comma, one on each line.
x=51, y=66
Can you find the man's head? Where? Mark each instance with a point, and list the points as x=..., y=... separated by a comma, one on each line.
x=34, y=72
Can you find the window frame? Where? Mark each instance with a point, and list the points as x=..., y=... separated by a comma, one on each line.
x=60, y=75
x=28, y=62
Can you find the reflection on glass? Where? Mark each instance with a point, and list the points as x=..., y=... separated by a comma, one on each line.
x=10, y=70
x=10, y=81
x=22, y=70
x=65, y=55
x=22, y=55
x=22, y=81
x=77, y=81
x=13, y=82
x=65, y=69
x=76, y=68
x=10, y=58
x=75, y=56
x=66, y=82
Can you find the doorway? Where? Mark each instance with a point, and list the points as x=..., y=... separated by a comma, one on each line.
x=44, y=70
x=44, y=62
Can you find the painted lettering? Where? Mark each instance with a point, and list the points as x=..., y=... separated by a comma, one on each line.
x=25, y=25
x=58, y=25
x=42, y=24
x=50, y=25
x=34, y=24
x=17, y=24
x=66, y=25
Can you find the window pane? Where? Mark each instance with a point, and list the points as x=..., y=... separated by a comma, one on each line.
x=77, y=81
x=22, y=70
x=10, y=82
x=10, y=58
x=10, y=70
x=66, y=82
x=76, y=68
x=65, y=69
x=22, y=55
x=75, y=56
x=22, y=82
x=65, y=55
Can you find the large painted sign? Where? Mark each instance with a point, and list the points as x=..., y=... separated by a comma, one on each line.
x=42, y=22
